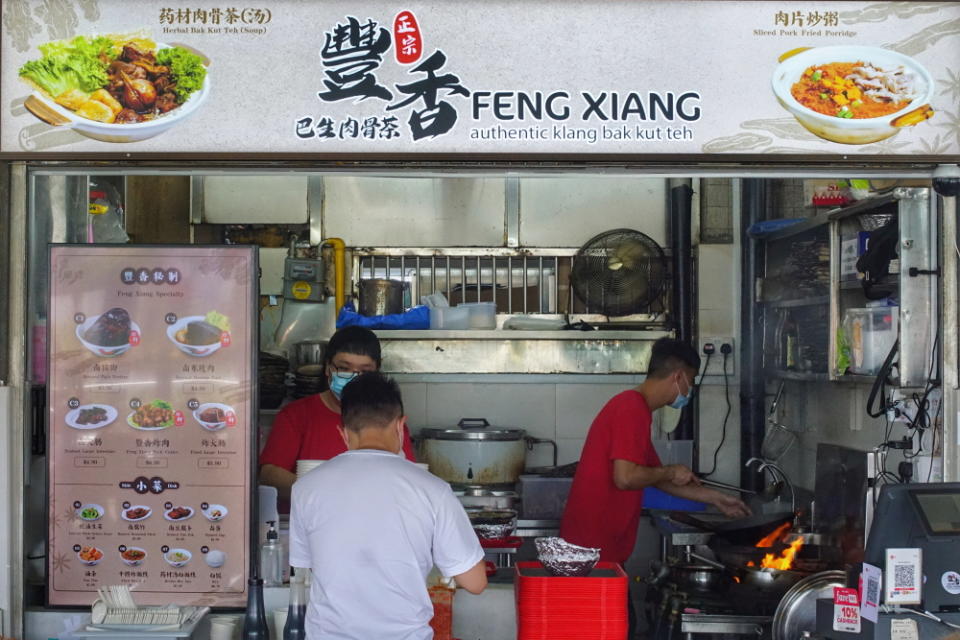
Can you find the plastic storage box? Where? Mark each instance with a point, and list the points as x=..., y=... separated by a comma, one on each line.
x=449, y=318
x=870, y=332
x=593, y=607
x=543, y=498
x=482, y=315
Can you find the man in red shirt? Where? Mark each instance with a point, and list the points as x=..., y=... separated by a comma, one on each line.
x=618, y=460
x=307, y=429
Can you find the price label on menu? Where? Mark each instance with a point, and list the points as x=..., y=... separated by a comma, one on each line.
x=149, y=445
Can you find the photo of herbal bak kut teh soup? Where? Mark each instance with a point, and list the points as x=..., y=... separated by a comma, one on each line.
x=856, y=89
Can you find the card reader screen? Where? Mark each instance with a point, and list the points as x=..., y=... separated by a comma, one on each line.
x=941, y=511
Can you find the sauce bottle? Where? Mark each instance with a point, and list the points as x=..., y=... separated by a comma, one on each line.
x=294, y=628
x=271, y=558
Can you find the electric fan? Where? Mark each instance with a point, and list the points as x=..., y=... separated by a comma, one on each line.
x=619, y=272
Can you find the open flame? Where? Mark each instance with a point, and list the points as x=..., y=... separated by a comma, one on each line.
x=785, y=560
x=774, y=537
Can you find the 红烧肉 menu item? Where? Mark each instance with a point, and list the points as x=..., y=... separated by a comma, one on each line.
x=111, y=329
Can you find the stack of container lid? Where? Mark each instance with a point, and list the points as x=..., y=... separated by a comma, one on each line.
x=550, y=607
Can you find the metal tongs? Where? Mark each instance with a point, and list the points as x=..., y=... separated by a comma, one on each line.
x=728, y=487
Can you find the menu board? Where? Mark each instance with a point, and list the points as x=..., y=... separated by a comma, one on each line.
x=151, y=411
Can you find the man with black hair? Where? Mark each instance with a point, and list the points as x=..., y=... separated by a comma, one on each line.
x=306, y=429
x=619, y=461
x=371, y=525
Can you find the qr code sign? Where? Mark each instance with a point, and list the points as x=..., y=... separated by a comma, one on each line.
x=904, y=576
x=873, y=591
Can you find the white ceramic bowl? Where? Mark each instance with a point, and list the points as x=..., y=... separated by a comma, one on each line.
x=847, y=130
x=90, y=563
x=199, y=351
x=74, y=414
x=97, y=507
x=123, y=514
x=166, y=514
x=215, y=512
x=103, y=352
x=215, y=558
x=129, y=132
x=134, y=563
x=177, y=561
x=212, y=426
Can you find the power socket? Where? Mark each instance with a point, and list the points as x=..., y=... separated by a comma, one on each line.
x=716, y=360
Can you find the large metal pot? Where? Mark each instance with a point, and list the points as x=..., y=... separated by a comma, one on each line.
x=381, y=297
x=474, y=454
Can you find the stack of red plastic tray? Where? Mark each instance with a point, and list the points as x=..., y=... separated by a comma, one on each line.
x=559, y=608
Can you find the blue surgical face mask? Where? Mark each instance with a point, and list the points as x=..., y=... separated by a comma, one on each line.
x=339, y=380
x=682, y=400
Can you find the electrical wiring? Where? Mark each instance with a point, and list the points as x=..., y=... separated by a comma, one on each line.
x=706, y=366
x=723, y=431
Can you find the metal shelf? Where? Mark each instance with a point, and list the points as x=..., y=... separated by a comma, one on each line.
x=517, y=334
x=799, y=302
x=809, y=224
x=803, y=376
x=838, y=213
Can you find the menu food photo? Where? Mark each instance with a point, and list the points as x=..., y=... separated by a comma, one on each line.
x=151, y=415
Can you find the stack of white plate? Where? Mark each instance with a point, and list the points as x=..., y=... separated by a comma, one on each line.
x=306, y=466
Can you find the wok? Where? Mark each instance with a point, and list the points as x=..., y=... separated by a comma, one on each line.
x=743, y=531
x=776, y=581
x=770, y=581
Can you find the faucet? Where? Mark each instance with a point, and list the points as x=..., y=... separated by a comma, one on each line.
x=786, y=481
x=764, y=465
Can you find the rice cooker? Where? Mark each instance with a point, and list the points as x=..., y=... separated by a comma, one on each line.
x=474, y=453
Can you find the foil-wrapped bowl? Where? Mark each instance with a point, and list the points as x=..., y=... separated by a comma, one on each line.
x=493, y=524
x=562, y=558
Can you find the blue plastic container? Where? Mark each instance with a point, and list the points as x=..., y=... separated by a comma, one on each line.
x=656, y=499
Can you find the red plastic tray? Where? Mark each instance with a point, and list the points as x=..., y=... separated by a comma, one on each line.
x=512, y=542
x=560, y=608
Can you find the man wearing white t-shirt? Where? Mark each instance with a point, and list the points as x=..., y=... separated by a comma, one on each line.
x=371, y=525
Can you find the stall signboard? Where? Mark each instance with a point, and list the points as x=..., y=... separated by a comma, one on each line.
x=150, y=415
x=707, y=79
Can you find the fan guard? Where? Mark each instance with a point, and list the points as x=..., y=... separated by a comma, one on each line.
x=619, y=272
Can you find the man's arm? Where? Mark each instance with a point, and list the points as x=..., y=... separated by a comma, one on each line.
x=630, y=476
x=274, y=476
x=473, y=579
x=730, y=506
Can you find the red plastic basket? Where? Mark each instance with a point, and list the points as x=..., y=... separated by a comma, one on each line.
x=593, y=607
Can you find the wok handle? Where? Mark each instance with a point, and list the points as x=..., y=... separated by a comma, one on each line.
x=916, y=116
x=473, y=423
x=791, y=53
x=708, y=561
x=36, y=106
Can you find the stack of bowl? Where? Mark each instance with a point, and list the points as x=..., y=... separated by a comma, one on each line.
x=308, y=380
x=306, y=466
x=273, y=370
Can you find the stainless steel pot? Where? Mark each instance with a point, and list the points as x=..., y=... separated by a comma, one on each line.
x=380, y=297
x=308, y=352
x=702, y=577
x=474, y=453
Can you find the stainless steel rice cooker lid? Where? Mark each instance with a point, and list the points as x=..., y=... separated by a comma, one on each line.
x=472, y=429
